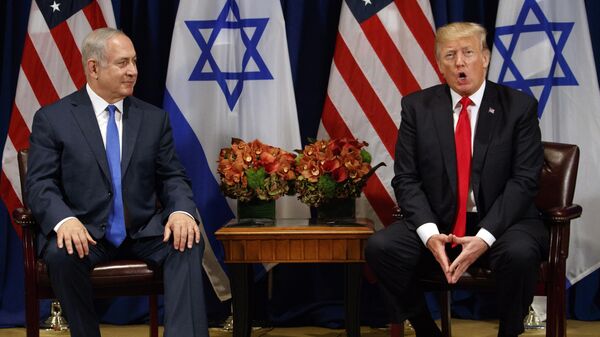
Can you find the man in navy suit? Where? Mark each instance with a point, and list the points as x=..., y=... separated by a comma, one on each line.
x=503, y=229
x=104, y=182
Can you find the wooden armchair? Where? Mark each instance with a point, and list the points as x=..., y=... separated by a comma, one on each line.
x=116, y=278
x=555, y=202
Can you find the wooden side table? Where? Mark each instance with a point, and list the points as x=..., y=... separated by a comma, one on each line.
x=293, y=241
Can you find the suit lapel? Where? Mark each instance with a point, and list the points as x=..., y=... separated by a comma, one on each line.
x=83, y=113
x=489, y=112
x=132, y=120
x=444, y=124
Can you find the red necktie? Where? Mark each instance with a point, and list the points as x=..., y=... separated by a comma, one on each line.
x=462, y=141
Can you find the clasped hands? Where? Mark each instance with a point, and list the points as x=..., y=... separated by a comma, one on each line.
x=472, y=248
x=74, y=236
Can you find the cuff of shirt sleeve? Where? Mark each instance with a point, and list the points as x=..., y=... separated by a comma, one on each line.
x=427, y=230
x=486, y=236
x=62, y=222
x=186, y=213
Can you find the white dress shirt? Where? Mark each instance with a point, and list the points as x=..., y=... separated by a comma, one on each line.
x=427, y=230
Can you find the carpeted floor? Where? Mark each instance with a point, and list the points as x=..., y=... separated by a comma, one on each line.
x=460, y=328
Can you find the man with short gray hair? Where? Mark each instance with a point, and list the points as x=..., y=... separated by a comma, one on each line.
x=100, y=161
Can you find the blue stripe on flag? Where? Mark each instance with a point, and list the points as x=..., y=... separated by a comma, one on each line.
x=213, y=207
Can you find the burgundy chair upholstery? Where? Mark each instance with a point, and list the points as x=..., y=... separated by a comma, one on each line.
x=116, y=278
x=555, y=202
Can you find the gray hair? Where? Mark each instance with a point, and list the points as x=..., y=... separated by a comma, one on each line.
x=459, y=30
x=94, y=45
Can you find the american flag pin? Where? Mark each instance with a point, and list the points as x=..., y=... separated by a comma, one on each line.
x=492, y=110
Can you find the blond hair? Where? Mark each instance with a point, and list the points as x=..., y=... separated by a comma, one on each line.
x=458, y=30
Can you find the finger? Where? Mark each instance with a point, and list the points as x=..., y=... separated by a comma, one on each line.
x=78, y=245
x=190, y=236
x=182, y=236
x=89, y=238
x=167, y=234
x=197, y=233
x=59, y=239
x=176, y=236
x=84, y=243
x=68, y=244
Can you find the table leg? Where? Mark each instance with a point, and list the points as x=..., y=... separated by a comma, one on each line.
x=353, y=273
x=241, y=279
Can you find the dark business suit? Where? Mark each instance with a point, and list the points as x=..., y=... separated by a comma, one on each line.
x=506, y=162
x=68, y=175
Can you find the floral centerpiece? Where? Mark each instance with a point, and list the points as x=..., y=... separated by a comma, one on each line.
x=255, y=170
x=332, y=169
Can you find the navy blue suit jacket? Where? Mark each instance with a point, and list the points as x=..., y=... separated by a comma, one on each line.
x=68, y=172
x=505, y=168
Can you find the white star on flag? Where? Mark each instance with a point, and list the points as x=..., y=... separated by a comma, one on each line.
x=55, y=6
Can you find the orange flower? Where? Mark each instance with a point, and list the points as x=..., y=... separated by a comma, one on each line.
x=255, y=170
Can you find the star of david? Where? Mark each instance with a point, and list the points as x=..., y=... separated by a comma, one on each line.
x=207, y=68
x=557, y=42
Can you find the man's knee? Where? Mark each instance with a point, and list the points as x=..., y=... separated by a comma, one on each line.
x=520, y=259
x=58, y=260
x=376, y=247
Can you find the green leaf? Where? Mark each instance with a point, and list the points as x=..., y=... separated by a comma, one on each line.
x=365, y=155
x=256, y=178
x=326, y=185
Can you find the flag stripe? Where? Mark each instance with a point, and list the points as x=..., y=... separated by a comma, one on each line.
x=10, y=198
x=70, y=52
x=36, y=74
x=420, y=27
x=18, y=130
x=94, y=14
x=383, y=208
x=389, y=56
x=364, y=93
x=424, y=72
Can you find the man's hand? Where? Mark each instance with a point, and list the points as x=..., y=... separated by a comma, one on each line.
x=73, y=233
x=184, y=229
x=472, y=248
x=437, y=245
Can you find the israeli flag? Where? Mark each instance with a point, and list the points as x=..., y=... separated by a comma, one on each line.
x=543, y=48
x=229, y=76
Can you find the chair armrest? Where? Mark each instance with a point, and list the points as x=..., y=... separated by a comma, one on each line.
x=23, y=217
x=560, y=215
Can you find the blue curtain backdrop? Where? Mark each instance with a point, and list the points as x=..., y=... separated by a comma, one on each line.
x=301, y=294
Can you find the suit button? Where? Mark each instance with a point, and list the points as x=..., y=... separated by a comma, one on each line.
x=103, y=226
x=109, y=195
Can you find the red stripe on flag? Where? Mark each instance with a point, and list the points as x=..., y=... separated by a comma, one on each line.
x=35, y=72
x=421, y=29
x=70, y=52
x=375, y=192
x=389, y=55
x=18, y=131
x=364, y=94
x=93, y=13
x=11, y=201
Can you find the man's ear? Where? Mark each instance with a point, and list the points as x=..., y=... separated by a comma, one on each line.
x=486, y=57
x=92, y=68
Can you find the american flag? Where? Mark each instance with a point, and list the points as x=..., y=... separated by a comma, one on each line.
x=51, y=68
x=384, y=51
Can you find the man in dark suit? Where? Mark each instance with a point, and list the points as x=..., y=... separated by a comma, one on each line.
x=460, y=208
x=100, y=163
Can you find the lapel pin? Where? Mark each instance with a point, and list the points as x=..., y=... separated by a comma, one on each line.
x=492, y=110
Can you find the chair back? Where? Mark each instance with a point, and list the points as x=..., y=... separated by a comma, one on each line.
x=558, y=177
x=22, y=161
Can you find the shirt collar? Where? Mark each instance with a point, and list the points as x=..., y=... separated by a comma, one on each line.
x=476, y=98
x=99, y=104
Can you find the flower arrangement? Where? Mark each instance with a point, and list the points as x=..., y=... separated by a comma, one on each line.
x=336, y=168
x=254, y=170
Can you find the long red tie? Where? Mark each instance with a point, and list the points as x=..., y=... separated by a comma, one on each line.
x=462, y=141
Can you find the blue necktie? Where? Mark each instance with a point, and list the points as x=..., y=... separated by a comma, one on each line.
x=116, y=220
